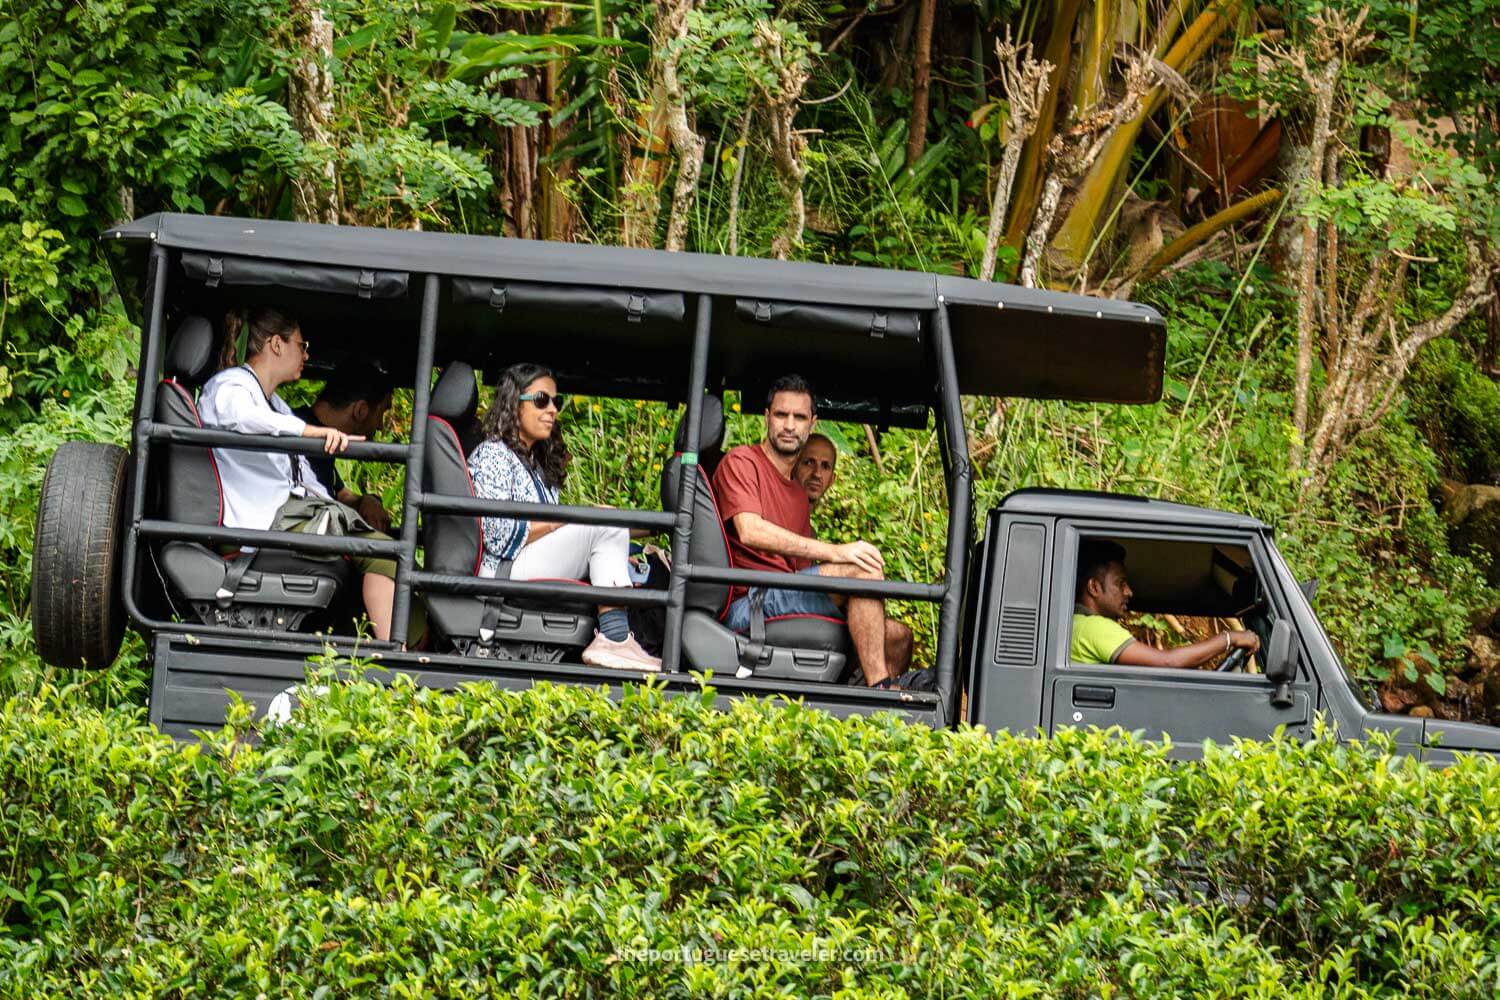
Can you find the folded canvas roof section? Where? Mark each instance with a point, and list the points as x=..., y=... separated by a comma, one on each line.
x=1008, y=341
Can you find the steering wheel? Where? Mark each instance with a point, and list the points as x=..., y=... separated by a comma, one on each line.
x=1235, y=660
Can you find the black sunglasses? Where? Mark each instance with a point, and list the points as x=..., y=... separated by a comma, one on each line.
x=542, y=400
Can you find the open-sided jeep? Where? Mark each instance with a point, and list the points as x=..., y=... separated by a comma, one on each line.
x=136, y=537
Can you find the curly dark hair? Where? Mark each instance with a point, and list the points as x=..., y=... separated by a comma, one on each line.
x=503, y=423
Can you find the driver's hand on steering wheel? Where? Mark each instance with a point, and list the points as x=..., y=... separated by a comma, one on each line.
x=1244, y=640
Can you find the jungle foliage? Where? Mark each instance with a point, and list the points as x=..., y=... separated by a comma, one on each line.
x=407, y=842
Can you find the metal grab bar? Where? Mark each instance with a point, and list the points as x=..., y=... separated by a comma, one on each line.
x=443, y=503
x=479, y=586
x=334, y=545
x=889, y=589
x=209, y=437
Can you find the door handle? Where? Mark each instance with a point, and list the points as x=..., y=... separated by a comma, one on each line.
x=1092, y=696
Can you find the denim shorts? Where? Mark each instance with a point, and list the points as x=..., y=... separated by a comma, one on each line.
x=780, y=602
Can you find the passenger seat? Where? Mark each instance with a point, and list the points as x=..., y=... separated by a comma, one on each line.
x=795, y=647
x=511, y=628
x=271, y=589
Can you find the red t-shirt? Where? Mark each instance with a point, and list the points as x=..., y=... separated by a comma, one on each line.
x=746, y=481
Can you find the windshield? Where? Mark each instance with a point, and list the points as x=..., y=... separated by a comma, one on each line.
x=1302, y=610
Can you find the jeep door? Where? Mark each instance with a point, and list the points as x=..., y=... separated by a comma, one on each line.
x=1203, y=573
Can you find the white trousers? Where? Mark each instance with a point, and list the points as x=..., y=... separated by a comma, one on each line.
x=594, y=552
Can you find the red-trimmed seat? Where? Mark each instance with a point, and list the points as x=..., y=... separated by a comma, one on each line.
x=277, y=589
x=796, y=647
x=505, y=628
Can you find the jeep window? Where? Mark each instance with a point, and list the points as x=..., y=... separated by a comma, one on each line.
x=1175, y=593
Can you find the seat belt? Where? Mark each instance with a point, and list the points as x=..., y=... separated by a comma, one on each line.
x=487, y=622
x=495, y=615
x=751, y=651
x=233, y=574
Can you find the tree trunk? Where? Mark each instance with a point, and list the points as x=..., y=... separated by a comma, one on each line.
x=921, y=82
x=1365, y=385
x=1323, y=81
x=310, y=97
x=737, y=182
x=787, y=146
x=688, y=144
x=1036, y=240
x=1058, y=51
x=1008, y=161
x=520, y=179
x=1027, y=82
x=644, y=172
x=559, y=220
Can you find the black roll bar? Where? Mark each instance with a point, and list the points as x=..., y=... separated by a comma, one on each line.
x=151, y=351
x=479, y=586
x=208, y=437
x=682, y=532
x=960, y=499
x=406, y=560
x=409, y=578
x=888, y=589
x=444, y=503
x=329, y=545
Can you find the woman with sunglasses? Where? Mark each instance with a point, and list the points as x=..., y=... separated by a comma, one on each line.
x=524, y=458
x=276, y=490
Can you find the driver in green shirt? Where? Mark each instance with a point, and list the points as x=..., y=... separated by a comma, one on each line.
x=1103, y=598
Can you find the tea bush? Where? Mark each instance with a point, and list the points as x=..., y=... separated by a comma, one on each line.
x=406, y=842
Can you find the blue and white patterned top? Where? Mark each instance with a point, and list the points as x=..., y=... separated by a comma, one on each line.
x=501, y=474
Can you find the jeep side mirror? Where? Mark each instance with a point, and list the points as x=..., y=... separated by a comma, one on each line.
x=1281, y=664
x=1309, y=589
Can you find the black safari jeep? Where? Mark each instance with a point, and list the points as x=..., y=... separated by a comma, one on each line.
x=135, y=538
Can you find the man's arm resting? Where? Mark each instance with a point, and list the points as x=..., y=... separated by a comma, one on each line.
x=758, y=533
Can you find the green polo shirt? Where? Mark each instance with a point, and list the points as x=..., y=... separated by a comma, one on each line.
x=1097, y=639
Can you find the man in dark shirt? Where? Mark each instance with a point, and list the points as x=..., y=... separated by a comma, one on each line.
x=765, y=514
x=355, y=400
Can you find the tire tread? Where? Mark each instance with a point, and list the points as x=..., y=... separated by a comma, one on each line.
x=76, y=612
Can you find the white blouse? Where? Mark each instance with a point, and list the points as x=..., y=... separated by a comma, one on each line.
x=255, y=483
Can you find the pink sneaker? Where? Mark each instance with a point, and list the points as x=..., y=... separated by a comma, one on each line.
x=626, y=654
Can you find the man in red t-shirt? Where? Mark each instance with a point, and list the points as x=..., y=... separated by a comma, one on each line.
x=765, y=514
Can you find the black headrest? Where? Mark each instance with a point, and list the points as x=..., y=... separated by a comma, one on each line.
x=455, y=398
x=710, y=426
x=190, y=354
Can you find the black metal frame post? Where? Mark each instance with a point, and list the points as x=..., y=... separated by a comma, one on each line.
x=682, y=534
x=406, y=561
x=151, y=352
x=960, y=500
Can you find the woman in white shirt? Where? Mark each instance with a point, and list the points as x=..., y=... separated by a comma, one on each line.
x=258, y=484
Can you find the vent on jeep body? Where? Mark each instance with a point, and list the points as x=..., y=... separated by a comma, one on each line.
x=1018, y=636
x=1018, y=628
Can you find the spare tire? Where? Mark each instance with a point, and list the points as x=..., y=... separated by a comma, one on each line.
x=76, y=613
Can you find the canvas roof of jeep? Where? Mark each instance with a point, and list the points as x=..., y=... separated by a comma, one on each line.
x=856, y=330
